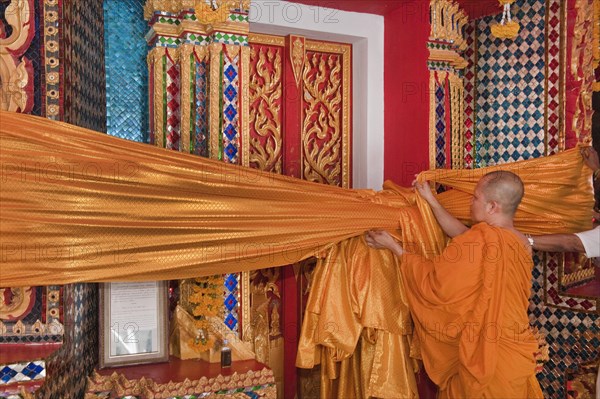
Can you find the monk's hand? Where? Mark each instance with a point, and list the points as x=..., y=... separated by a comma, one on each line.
x=425, y=190
x=590, y=157
x=381, y=239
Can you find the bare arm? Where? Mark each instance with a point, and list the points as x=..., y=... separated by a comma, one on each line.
x=558, y=243
x=451, y=225
x=590, y=158
x=382, y=239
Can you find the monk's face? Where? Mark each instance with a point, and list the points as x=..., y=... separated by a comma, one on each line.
x=478, y=204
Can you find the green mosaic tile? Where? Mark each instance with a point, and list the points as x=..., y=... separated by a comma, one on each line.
x=168, y=40
x=238, y=17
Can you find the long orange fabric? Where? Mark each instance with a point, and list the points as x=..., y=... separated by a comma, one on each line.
x=469, y=305
x=80, y=206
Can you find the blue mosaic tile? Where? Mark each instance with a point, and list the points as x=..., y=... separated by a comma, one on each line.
x=126, y=69
x=230, y=302
x=231, y=321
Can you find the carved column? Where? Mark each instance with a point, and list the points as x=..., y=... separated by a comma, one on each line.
x=446, y=87
x=198, y=71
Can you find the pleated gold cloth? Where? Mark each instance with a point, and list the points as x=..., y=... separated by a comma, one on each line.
x=80, y=206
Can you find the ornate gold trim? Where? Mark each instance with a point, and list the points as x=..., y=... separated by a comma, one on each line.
x=582, y=67
x=596, y=39
x=215, y=99
x=188, y=26
x=456, y=121
x=345, y=51
x=432, y=132
x=562, y=77
x=297, y=55
x=449, y=56
x=447, y=22
x=266, y=39
x=148, y=388
x=232, y=50
x=14, y=74
x=156, y=57
x=245, y=104
x=216, y=12
x=346, y=117
x=21, y=300
x=245, y=333
x=265, y=113
x=185, y=96
x=177, y=6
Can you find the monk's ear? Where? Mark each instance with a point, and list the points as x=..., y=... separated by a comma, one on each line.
x=493, y=207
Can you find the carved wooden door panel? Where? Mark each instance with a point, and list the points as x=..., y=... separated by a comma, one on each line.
x=299, y=117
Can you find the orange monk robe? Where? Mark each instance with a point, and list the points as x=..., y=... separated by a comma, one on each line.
x=469, y=306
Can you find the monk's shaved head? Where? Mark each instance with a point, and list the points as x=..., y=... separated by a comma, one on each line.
x=505, y=188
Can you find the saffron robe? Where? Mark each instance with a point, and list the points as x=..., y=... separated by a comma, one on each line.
x=469, y=305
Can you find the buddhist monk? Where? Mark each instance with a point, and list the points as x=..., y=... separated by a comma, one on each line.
x=469, y=304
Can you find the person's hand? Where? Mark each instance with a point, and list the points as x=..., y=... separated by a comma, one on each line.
x=380, y=239
x=425, y=190
x=590, y=157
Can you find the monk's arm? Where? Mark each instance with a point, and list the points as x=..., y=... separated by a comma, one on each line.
x=558, y=243
x=380, y=239
x=451, y=225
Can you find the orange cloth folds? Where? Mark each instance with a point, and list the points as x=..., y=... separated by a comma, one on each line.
x=79, y=206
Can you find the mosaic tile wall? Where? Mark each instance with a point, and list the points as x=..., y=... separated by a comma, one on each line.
x=510, y=88
x=126, y=69
x=83, y=47
x=516, y=103
x=68, y=368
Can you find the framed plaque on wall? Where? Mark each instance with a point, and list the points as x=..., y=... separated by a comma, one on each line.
x=133, y=323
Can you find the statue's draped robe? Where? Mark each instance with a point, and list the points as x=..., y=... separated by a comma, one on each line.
x=79, y=206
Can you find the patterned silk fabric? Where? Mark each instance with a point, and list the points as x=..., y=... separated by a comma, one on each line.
x=79, y=206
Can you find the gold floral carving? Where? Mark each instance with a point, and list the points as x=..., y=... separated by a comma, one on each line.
x=215, y=99
x=432, y=119
x=18, y=304
x=263, y=287
x=582, y=67
x=321, y=126
x=297, y=56
x=257, y=38
x=187, y=80
x=446, y=55
x=246, y=331
x=156, y=59
x=342, y=52
x=596, y=34
x=16, y=76
x=216, y=11
x=457, y=120
x=245, y=104
x=171, y=6
x=176, y=6
x=447, y=22
x=232, y=50
x=148, y=388
x=265, y=118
